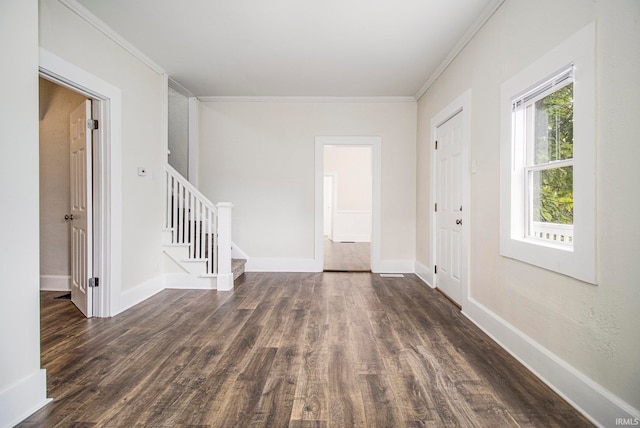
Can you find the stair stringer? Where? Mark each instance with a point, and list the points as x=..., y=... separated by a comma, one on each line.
x=193, y=275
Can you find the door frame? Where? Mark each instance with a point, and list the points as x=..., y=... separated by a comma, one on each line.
x=462, y=104
x=107, y=177
x=333, y=177
x=376, y=171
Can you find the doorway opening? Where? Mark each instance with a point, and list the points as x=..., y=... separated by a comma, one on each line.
x=347, y=203
x=66, y=202
x=106, y=183
x=347, y=208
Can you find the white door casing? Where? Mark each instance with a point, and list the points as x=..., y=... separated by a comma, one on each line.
x=107, y=183
x=81, y=208
x=449, y=207
x=376, y=153
x=328, y=205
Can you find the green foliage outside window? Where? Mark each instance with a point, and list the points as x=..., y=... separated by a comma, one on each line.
x=553, y=188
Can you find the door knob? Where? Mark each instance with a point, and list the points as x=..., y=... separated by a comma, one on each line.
x=459, y=221
x=68, y=217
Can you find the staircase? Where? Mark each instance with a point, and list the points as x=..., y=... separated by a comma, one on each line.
x=197, y=235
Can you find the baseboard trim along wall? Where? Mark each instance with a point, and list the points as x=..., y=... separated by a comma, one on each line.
x=256, y=264
x=591, y=399
x=351, y=238
x=131, y=297
x=24, y=398
x=594, y=401
x=424, y=273
x=392, y=266
x=184, y=281
x=311, y=265
x=55, y=283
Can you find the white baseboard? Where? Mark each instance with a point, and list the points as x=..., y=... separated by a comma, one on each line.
x=184, y=281
x=312, y=265
x=281, y=265
x=21, y=400
x=424, y=273
x=55, y=282
x=351, y=238
x=392, y=266
x=130, y=298
x=594, y=401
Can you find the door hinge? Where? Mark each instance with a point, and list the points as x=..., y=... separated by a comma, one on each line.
x=435, y=208
x=436, y=144
x=92, y=124
x=94, y=282
x=435, y=268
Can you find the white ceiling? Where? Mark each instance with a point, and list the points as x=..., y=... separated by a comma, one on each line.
x=322, y=48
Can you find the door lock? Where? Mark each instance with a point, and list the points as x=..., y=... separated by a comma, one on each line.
x=459, y=221
x=68, y=217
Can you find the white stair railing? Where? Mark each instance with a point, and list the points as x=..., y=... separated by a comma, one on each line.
x=196, y=221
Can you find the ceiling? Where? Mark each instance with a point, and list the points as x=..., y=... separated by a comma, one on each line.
x=316, y=48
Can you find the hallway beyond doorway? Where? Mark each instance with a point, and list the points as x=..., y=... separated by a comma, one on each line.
x=347, y=256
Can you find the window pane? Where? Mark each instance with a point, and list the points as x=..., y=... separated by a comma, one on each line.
x=554, y=126
x=552, y=195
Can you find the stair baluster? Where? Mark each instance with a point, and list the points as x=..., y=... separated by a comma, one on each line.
x=193, y=220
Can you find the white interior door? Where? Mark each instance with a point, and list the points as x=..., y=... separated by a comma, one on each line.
x=81, y=204
x=449, y=198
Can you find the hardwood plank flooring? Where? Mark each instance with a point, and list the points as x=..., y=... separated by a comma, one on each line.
x=346, y=256
x=285, y=349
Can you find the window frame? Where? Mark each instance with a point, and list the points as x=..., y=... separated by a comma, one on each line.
x=524, y=134
x=577, y=260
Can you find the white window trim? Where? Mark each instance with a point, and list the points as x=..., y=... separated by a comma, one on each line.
x=580, y=261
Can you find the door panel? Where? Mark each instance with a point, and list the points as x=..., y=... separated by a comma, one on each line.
x=81, y=204
x=449, y=214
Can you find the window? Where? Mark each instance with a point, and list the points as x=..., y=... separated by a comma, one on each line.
x=542, y=124
x=548, y=161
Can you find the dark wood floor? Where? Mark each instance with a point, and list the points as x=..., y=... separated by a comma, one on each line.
x=298, y=350
x=347, y=256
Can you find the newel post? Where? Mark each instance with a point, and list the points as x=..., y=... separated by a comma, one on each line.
x=225, y=276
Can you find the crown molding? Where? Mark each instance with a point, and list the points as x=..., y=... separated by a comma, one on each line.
x=101, y=26
x=295, y=99
x=179, y=88
x=486, y=14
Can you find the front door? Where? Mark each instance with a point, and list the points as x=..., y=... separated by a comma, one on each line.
x=81, y=208
x=449, y=207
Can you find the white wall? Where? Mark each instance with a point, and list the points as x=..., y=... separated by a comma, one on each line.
x=22, y=383
x=595, y=329
x=351, y=168
x=260, y=156
x=56, y=104
x=178, y=105
x=65, y=34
